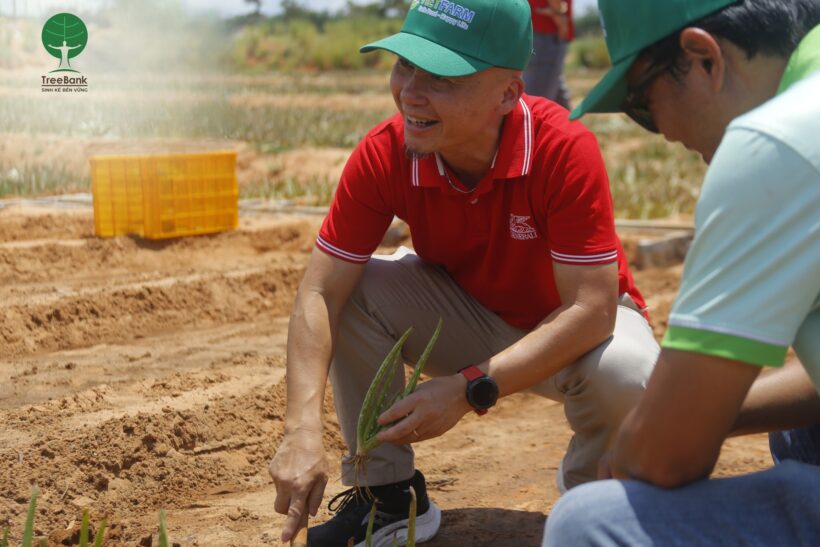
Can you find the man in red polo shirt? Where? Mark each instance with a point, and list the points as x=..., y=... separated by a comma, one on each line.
x=511, y=219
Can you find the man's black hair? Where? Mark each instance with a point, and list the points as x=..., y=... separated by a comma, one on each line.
x=768, y=27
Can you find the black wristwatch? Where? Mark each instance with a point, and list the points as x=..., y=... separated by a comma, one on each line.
x=482, y=391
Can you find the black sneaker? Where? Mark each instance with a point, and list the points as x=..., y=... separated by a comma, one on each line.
x=352, y=510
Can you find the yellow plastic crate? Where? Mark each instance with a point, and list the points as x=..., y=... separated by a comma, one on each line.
x=165, y=196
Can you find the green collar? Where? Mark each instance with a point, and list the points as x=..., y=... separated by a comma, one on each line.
x=804, y=61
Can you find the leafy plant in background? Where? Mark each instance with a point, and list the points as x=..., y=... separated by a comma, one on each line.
x=39, y=179
x=305, y=43
x=589, y=52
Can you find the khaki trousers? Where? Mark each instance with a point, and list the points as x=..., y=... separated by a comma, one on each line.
x=401, y=290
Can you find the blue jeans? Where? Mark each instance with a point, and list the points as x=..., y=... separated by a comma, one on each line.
x=802, y=445
x=779, y=506
x=544, y=75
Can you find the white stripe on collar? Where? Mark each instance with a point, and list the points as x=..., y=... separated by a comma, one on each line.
x=440, y=165
x=528, y=138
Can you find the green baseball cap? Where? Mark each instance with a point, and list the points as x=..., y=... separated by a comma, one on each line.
x=630, y=26
x=462, y=37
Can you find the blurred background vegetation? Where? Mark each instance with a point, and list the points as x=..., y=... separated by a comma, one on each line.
x=284, y=89
x=146, y=33
x=300, y=38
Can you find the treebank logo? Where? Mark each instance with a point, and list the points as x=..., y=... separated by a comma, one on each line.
x=447, y=11
x=65, y=80
x=64, y=37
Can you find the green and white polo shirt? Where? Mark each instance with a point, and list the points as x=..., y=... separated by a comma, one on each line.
x=751, y=282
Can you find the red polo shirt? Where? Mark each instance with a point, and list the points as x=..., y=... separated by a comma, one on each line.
x=546, y=24
x=546, y=198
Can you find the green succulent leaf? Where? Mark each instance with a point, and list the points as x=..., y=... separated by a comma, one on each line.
x=28, y=531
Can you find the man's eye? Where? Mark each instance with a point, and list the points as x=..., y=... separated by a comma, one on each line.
x=405, y=63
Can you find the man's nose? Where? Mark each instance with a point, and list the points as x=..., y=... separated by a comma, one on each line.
x=413, y=89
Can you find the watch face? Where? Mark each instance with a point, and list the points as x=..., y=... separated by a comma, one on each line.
x=483, y=393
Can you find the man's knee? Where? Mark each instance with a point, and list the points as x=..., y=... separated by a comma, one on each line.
x=585, y=515
x=567, y=521
x=614, y=374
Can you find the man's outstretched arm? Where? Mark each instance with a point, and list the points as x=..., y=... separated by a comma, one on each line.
x=690, y=406
x=299, y=467
x=783, y=398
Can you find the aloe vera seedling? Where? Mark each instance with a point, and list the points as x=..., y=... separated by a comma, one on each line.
x=411, y=519
x=411, y=525
x=84, y=531
x=163, y=532
x=28, y=531
x=376, y=401
x=368, y=538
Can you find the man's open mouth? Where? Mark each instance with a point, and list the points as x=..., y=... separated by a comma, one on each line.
x=419, y=122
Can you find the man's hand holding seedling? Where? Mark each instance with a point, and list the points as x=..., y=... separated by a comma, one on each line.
x=433, y=409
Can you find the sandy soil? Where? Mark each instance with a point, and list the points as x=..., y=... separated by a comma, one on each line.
x=139, y=376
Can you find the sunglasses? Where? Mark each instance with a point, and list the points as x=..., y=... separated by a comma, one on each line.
x=636, y=103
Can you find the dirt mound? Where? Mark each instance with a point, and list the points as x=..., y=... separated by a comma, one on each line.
x=34, y=226
x=167, y=456
x=110, y=316
x=62, y=293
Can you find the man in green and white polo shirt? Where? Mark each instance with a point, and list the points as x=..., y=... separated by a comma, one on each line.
x=739, y=82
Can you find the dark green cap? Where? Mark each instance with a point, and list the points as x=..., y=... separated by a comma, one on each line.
x=630, y=26
x=462, y=37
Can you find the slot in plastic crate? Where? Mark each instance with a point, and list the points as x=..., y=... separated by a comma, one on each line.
x=165, y=196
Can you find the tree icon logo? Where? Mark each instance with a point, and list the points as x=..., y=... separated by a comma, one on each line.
x=64, y=37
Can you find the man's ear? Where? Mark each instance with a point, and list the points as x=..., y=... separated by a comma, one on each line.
x=512, y=92
x=704, y=54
